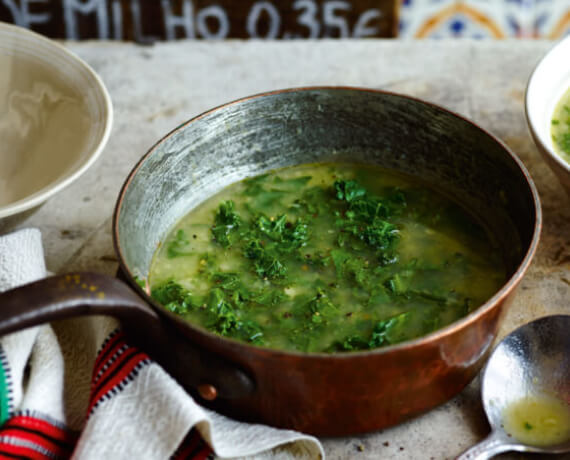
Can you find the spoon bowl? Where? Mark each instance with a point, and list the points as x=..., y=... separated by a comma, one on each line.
x=526, y=391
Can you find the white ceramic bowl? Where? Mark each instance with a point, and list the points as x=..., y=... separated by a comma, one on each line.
x=547, y=84
x=55, y=119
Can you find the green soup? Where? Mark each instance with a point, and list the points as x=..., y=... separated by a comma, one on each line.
x=325, y=258
x=560, y=129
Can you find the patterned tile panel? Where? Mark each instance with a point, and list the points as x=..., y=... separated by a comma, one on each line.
x=484, y=19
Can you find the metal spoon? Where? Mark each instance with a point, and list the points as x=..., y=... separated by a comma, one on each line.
x=532, y=360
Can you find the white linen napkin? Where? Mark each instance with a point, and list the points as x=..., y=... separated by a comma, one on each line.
x=79, y=390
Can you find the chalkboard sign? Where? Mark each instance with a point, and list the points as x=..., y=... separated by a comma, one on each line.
x=151, y=20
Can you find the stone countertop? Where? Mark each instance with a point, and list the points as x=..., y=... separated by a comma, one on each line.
x=156, y=88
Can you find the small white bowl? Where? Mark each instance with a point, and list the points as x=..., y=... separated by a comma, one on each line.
x=547, y=84
x=55, y=119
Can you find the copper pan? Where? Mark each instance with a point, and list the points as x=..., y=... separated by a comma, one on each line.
x=322, y=394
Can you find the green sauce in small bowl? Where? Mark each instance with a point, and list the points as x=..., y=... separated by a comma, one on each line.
x=560, y=129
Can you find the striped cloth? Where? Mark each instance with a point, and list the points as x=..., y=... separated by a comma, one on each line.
x=77, y=389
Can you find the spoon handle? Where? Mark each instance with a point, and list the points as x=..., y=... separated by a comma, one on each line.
x=490, y=446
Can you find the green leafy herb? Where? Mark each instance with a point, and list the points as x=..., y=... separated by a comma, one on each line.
x=226, y=222
x=348, y=190
x=386, y=332
x=389, y=331
x=352, y=343
x=290, y=236
x=269, y=297
x=394, y=285
x=266, y=264
x=226, y=319
x=381, y=234
x=267, y=240
x=320, y=307
x=278, y=189
x=254, y=185
x=273, y=228
x=178, y=246
x=228, y=281
x=365, y=217
x=173, y=297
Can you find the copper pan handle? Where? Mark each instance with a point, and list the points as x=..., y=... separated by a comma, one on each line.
x=79, y=294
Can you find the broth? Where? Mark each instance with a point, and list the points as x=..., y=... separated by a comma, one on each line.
x=538, y=420
x=326, y=258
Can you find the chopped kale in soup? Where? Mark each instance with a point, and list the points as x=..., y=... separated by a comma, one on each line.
x=326, y=258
